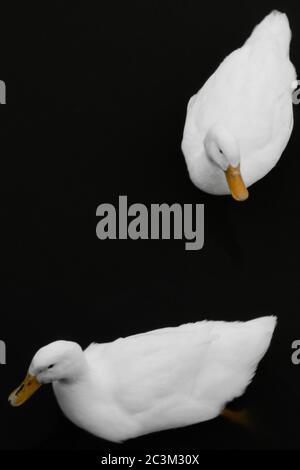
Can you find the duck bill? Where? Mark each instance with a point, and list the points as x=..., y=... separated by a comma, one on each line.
x=236, y=184
x=24, y=391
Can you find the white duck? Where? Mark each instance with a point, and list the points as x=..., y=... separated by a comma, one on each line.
x=239, y=123
x=153, y=381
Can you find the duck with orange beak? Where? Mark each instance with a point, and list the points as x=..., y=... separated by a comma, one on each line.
x=149, y=382
x=239, y=123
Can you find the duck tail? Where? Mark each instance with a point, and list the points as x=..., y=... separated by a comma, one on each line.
x=274, y=26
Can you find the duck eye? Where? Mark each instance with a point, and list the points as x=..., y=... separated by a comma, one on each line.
x=50, y=367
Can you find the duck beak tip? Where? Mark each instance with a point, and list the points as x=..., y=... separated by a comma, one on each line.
x=21, y=394
x=236, y=184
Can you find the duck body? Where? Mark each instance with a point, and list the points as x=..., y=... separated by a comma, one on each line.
x=248, y=98
x=165, y=378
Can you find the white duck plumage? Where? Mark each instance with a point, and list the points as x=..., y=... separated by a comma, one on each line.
x=241, y=119
x=149, y=382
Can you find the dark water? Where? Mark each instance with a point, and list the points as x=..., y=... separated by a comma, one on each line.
x=97, y=106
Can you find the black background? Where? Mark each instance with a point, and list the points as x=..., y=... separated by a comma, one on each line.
x=96, y=107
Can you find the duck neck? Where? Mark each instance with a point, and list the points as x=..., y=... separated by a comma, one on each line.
x=222, y=147
x=75, y=371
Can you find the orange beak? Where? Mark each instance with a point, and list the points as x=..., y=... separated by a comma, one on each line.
x=236, y=184
x=24, y=391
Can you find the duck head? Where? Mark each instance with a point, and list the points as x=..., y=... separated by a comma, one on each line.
x=223, y=150
x=61, y=360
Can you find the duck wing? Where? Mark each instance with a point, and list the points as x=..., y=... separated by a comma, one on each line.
x=146, y=368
